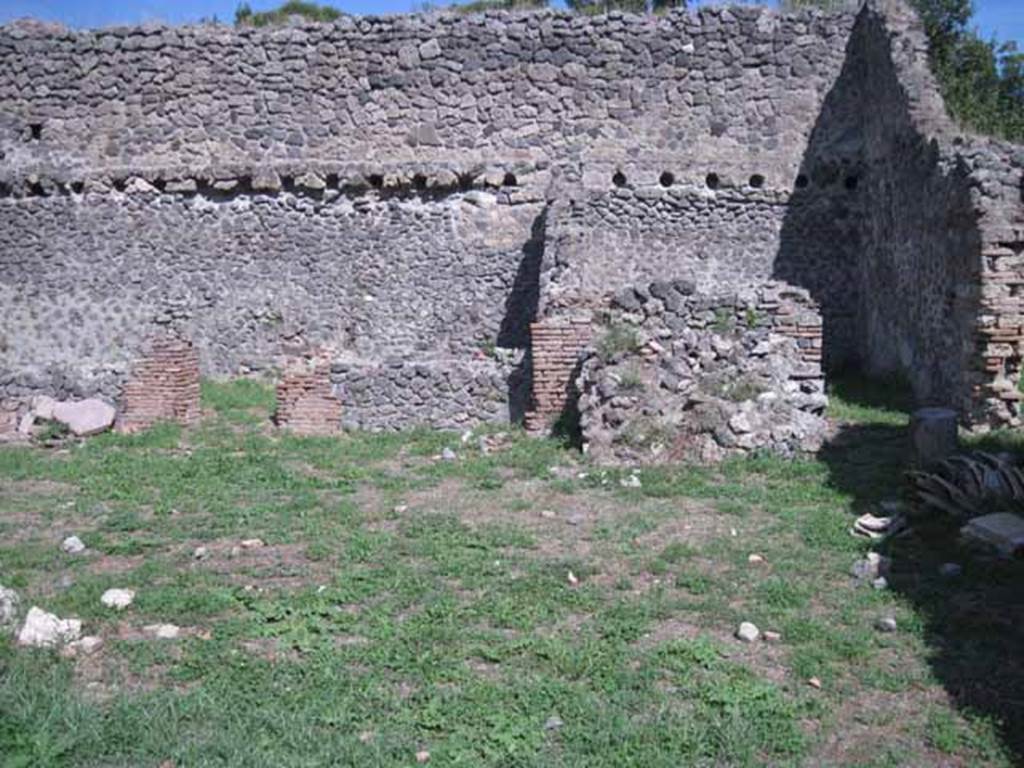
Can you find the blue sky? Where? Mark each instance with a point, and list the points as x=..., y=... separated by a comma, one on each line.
x=1003, y=18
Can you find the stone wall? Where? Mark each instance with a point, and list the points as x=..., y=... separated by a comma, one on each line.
x=719, y=232
x=737, y=85
x=680, y=375
x=396, y=393
x=422, y=188
x=378, y=185
x=940, y=272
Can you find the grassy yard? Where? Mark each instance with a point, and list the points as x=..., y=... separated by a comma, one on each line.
x=404, y=604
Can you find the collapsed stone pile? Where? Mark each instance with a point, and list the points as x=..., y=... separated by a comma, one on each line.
x=677, y=375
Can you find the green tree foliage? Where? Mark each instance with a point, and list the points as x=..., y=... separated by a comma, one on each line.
x=981, y=80
x=245, y=16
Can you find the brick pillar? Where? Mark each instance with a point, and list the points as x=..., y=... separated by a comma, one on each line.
x=306, y=403
x=555, y=348
x=164, y=387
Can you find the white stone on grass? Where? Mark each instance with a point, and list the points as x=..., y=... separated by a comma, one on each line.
x=46, y=630
x=748, y=632
x=118, y=598
x=73, y=545
x=42, y=407
x=163, y=631
x=85, y=417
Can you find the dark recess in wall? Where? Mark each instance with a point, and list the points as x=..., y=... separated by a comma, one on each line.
x=521, y=310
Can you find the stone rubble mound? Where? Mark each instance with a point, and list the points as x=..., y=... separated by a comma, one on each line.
x=678, y=375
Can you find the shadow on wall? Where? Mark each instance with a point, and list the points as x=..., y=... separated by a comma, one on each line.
x=521, y=310
x=973, y=624
x=884, y=234
x=820, y=244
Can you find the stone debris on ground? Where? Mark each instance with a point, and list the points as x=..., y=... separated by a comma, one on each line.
x=200, y=553
x=423, y=756
x=748, y=632
x=85, y=417
x=162, y=631
x=877, y=527
x=448, y=455
x=814, y=682
x=9, y=602
x=73, y=545
x=771, y=637
x=253, y=543
x=755, y=559
x=87, y=646
x=886, y=624
x=46, y=630
x=119, y=599
x=1002, y=531
x=632, y=481
x=880, y=583
x=870, y=567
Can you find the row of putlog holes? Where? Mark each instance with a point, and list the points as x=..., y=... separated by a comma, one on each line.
x=712, y=181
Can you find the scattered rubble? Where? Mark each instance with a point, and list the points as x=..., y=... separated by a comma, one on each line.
x=886, y=624
x=87, y=646
x=118, y=599
x=73, y=545
x=163, y=631
x=748, y=632
x=46, y=630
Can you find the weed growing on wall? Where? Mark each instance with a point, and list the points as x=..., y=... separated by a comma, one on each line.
x=617, y=339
